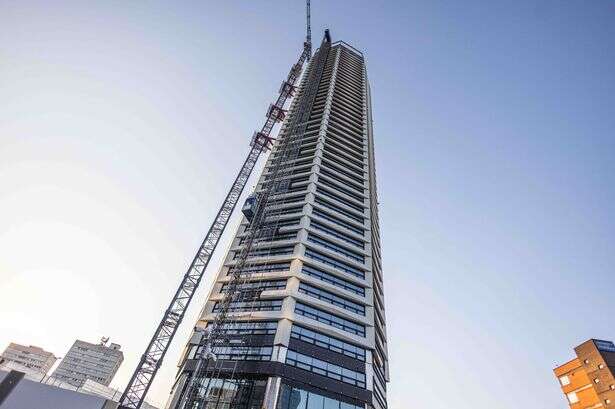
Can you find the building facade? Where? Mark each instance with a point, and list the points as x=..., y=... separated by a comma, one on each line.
x=32, y=360
x=84, y=360
x=313, y=335
x=587, y=380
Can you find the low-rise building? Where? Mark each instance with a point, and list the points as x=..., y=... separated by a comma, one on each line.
x=33, y=361
x=19, y=392
x=587, y=380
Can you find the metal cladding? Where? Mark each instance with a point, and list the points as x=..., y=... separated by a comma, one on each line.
x=298, y=304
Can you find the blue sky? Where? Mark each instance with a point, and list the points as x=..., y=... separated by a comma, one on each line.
x=123, y=124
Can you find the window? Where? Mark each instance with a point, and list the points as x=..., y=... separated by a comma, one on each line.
x=335, y=248
x=271, y=236
x=341, y=236
x=349, y=175
x=331, y=298
x=331, y=279
x=350, y=143
x=601, y=366
x=325, y=341
x=243, y=353
x=607, y=401
x=262, y=305
x=316, y=402
x=330, y=195
x=564, y=380
x=356, y=194
x=266, y=252
x=338, y=265
x=257, y=286
x=339, y=121
x=285, y=200
x=286, y=210
x=339, y=152
x=336, y=221
x=250, y=328
x=298, y=180
x=232, y=393
x=597, y=380
x=295, y=398
x=330, y=319
x=262, y=268
x=335, y=160
x=325, y=368
x=331, y=206
x=572, y=397
x=279, y=223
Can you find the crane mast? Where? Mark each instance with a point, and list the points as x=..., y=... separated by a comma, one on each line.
x=308, y=34
x=151, y=360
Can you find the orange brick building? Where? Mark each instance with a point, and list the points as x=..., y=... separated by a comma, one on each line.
x=587, y=380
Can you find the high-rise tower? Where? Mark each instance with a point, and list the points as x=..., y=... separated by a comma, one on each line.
x=313, y=333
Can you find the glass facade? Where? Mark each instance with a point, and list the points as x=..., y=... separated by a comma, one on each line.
x=341, y=223
x=330, y=343
x=270, y=251
x=331, y=298
x=344, y=237
x=330, y=319
x=325, y=368
x=262, y=268
x=263, y=305
x=330, y=261
x=338, y=209
x=257, y=286
x=296, y=398
x=218, y=393
x=332, y=279
x=336, y=248
x=244, y=353
x=250, y=328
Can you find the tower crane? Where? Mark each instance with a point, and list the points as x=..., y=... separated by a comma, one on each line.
x=262, y=141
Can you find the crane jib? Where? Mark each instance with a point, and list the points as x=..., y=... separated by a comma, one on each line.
x=152, y=358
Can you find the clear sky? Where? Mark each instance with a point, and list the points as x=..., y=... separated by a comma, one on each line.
x=122, y=125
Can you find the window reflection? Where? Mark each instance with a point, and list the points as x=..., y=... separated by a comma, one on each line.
x=296, y=398
x=331, y=404
x=218, y=393
x=315, y=401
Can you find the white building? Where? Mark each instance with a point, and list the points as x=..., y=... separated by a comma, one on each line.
x=35, y=362
x=84, y=360
x=306, y=323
